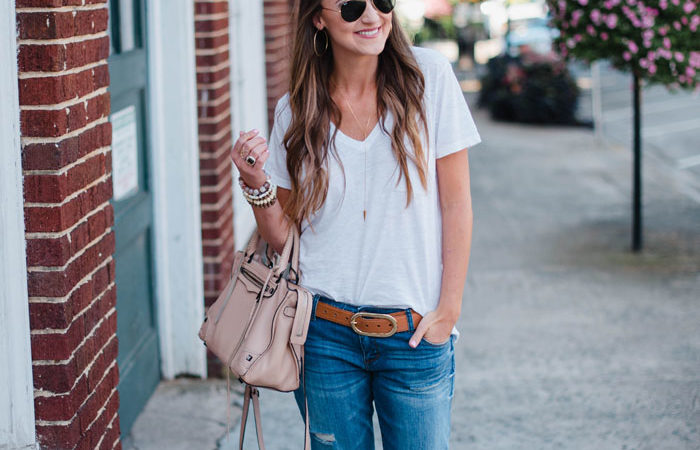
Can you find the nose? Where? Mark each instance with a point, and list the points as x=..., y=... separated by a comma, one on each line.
x=371, y=13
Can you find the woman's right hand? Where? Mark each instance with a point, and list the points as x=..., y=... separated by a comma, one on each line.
x=250, y=143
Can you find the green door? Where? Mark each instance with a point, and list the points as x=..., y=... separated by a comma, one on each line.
x=138, y=358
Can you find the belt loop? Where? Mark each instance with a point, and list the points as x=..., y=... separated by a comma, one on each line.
x=313, y=306
x=409, y=315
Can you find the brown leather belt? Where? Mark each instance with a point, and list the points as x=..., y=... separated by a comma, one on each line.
x=368, y=323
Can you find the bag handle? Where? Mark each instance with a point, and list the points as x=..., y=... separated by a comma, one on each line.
x=290, y=252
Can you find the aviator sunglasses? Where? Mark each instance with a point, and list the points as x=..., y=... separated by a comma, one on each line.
x=352, y=10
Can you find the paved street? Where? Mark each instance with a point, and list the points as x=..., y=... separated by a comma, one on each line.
x=569, y=340
x=670, y=121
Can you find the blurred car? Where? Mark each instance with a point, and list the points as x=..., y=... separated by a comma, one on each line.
x=535, y=33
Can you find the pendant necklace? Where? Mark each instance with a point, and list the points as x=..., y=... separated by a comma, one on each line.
x=364, y=150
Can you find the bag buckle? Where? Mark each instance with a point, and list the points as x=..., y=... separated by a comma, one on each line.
x=389, y=317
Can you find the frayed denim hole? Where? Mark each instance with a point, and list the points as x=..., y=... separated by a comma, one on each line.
x=324, y=438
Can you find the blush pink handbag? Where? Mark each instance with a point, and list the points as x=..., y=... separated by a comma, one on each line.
x=257, y=326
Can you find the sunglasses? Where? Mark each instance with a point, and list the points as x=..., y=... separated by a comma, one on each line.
x=352, y=10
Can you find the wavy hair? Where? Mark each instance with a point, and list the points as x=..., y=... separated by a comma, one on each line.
x=400, y=89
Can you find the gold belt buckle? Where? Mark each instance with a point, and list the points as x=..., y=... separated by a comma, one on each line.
x=390, y=318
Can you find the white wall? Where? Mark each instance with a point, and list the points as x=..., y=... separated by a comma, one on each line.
x=16, y=385
x=175, y=183
x=248, y=94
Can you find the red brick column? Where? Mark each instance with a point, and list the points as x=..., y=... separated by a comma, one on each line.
x=278, y=37
x=66, y=162
x=215, y=140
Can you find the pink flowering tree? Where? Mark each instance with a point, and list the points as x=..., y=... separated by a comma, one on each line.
x=656, y=41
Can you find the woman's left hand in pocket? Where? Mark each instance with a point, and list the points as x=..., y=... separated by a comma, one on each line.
x=435, y=327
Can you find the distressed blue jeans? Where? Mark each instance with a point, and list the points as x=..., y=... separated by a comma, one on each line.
x=348, y=375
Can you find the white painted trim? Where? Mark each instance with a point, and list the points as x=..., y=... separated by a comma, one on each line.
x=249, y=94
x=175, y=184
x=16, y=383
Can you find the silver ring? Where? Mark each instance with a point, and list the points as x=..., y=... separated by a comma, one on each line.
x=250, y=160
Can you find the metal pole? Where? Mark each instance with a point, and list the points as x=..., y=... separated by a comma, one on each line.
x=637, y=168
x=596, y=91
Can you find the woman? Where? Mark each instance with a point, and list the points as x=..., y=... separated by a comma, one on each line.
x=368, y=157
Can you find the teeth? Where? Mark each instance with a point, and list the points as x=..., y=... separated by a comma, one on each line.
x=368, y=33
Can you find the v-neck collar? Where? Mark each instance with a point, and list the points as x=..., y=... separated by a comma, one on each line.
x=361, y=145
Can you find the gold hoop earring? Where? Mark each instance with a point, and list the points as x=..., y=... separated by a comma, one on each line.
x=324, y=48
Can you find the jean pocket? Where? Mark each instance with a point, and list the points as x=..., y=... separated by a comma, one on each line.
x=440, y=344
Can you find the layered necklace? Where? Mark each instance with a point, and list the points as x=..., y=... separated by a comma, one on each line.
x=365, y=134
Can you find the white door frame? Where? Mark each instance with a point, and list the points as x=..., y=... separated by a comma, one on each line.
x=248, y=94
x=17, y=393
x=174, y=172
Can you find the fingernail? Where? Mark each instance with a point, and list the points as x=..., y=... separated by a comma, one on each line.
x=412, y=343
x=254, y=130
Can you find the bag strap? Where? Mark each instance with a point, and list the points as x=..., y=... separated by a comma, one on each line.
x=254, y=394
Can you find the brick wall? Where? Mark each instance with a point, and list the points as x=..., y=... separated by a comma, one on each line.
x=215, y=141
x=66, y=162
x=278, y=36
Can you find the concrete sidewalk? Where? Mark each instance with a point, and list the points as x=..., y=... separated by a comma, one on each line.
x=569, y=340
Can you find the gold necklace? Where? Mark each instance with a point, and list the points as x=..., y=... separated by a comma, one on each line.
x=364, y=150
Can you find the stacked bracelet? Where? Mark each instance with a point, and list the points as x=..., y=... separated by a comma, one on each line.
x=263, y=196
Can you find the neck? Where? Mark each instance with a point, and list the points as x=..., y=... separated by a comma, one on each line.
x=354, y=75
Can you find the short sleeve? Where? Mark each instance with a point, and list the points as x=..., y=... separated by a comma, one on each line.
x=455, y=128
x=276, y=164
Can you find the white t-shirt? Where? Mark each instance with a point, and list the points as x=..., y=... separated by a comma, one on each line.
x=394, y=259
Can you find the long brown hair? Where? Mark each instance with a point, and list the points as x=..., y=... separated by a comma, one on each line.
x=400, y=89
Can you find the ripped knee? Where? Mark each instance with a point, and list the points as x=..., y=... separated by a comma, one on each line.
x=324, y=438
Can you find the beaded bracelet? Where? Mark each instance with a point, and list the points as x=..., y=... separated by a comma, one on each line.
x=263, y=196
x=266, y=201
x=255, y=192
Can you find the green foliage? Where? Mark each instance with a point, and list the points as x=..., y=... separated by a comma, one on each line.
x=529, y=88
x=442, y=28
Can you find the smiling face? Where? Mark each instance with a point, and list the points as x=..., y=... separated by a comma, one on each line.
x=365, y=36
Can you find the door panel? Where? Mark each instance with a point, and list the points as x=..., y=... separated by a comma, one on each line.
x=138, y=358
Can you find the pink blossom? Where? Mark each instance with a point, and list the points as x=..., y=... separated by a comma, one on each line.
x=626, y=56
x=677, y=25
x=583, y=2
x=647, y=21
x=590, y=30
x=604, y=36
x=663, y=31
x=652, y=69
x=663, y=4
x=611, y=20
x=576, y=16
x=688, y=7
x=684, y=20
x=632, y=46
x=667, y=42
x=577, y=37
x=690, y=72
x=647, y=35
x=595, y=16
x=676, y=2
x=679, y=56
x=694, y=59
